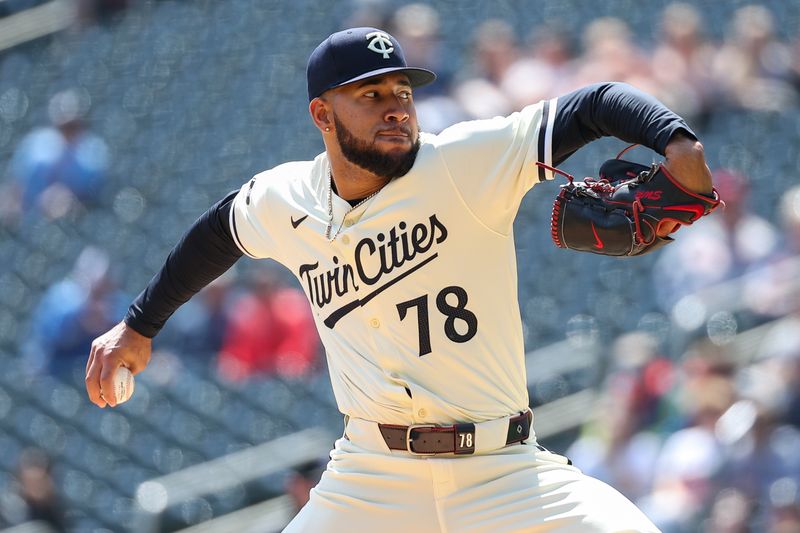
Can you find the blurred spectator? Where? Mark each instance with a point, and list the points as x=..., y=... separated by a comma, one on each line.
x=37, y=491
x=730, y=513
x=765, y=453
x=544, y=71
x=416, y=26
x=59, y=168
x=790, y=218
x=781, y=348
x=785, y=507
x=622, y=450
x=691, y=457
x=610, y=53
x=761, y=450
x=199, y=326
x=270, y=331
x=774, y=290
x=372, y=13
x=753, y=66
x=72, y=313
x=720, y=247
x=681, y=62
x=494, y=50
x=301, y=480
x=91, y=11
x=438, y=112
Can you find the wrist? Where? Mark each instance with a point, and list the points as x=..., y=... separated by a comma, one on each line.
x=131, y=332
x=137, y=328
x=686, y=162
x=681, y=144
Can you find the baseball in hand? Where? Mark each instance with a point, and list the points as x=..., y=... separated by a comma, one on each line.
x=123, y=385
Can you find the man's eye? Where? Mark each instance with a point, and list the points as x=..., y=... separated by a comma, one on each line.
x=371, y=94
x=405, y=95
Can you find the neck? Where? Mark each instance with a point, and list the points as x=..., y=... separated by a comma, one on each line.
x=353, y=182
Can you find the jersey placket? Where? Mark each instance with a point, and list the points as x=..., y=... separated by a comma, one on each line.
x=345, y=218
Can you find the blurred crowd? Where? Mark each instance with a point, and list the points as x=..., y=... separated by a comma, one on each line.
x=36, y=500
x=88, y=11
x=689, y=431
x=704, y=442
x=753, y=68
x=257, y=327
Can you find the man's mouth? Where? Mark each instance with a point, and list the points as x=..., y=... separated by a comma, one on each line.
x=394, y=134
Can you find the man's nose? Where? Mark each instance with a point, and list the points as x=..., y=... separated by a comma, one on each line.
x=396, y=113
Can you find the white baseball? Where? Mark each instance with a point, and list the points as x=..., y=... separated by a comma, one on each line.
x=123, y=385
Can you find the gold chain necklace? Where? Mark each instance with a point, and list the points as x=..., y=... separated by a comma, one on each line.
x=330, y=210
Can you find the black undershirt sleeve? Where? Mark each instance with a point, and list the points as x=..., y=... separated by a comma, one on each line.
x=612, y=109
x=204, y=252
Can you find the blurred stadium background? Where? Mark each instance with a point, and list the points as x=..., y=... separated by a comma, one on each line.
x=675, y=377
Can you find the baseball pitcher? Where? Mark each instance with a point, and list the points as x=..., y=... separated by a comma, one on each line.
x=403, y=244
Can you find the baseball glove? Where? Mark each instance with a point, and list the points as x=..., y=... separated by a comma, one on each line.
x=620, y=213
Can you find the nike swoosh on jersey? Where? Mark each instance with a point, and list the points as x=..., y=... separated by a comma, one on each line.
x=598, y=243
x=297, y=222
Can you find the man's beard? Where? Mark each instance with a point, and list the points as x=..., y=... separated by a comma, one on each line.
x=368, y=157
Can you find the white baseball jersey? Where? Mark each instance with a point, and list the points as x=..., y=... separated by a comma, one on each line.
x=415, y=297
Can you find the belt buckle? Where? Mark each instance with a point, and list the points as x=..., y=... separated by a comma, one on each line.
x=410, y=442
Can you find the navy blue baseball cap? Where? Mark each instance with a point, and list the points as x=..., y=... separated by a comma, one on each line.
x=356, y=54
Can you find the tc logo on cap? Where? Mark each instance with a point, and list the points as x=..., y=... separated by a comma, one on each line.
x=380, y=43
x=344, y=57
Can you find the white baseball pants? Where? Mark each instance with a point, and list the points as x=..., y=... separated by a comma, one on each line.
x=519, y=488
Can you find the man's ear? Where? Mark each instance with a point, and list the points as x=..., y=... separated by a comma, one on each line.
x=321, y=113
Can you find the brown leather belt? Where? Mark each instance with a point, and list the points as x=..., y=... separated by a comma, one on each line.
x=459, y=439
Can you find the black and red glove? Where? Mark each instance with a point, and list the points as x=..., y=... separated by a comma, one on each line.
x=620, y=213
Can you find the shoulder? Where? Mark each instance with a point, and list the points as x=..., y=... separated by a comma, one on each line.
x=288, y=178
x=286, y=173
x=281, y=190
x=486, y=129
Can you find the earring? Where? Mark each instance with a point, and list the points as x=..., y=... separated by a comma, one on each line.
x=327, y=129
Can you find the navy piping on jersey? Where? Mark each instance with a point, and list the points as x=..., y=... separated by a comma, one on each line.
x=542, y=135
x=235, y=232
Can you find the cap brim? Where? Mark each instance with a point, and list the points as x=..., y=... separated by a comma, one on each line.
x=417, y=76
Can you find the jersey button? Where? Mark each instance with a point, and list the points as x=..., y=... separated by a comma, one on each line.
x=422, y=413
x=375, y=323
x=348, y=223
x=345, y=239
